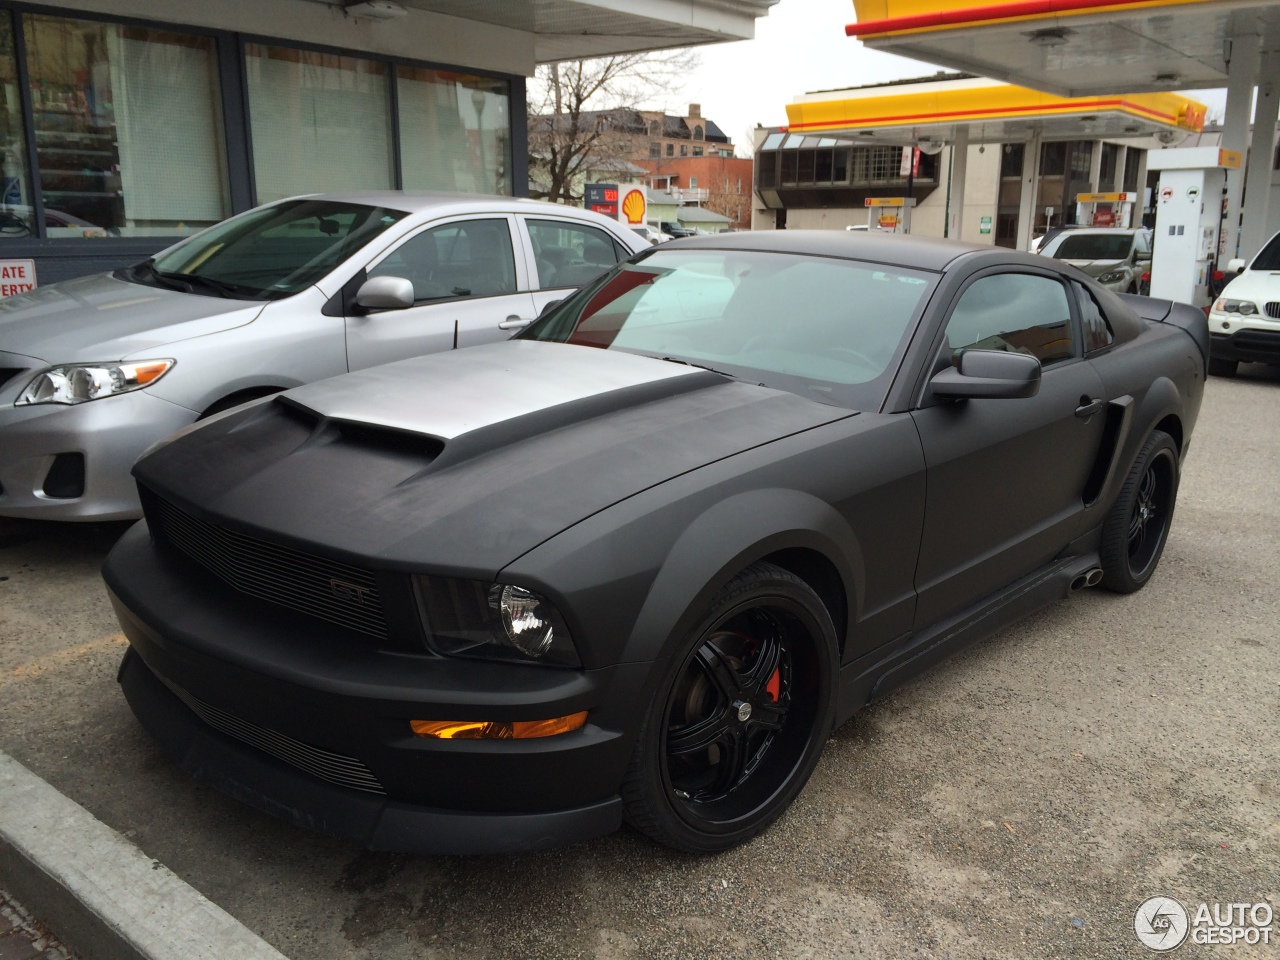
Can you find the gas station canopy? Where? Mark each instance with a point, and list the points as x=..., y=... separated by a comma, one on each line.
x=989, y=111
x=1074, y=48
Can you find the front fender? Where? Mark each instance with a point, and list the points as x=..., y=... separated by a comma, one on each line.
x=728, y=537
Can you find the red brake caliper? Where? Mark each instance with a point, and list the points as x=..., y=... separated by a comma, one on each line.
x=774, y=686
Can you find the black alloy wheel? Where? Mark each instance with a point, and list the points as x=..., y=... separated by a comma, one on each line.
x=741, y=719
x=1136, y=529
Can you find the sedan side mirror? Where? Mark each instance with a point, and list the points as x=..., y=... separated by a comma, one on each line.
x=1236, y=265
x=385, y=293
x=548, y=307
x=989, y=375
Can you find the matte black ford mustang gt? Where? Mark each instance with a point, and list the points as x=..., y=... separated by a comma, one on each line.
x=639, y=561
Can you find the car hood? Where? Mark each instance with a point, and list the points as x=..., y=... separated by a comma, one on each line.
x=461, y=462
x=1259, y=286
x=102, y=318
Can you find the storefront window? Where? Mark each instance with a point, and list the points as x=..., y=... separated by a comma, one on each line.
x=128, y=129
x=453, y=131
x=15, y=188
x=320, y=122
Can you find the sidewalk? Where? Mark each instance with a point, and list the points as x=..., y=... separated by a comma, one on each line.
x=104, y=896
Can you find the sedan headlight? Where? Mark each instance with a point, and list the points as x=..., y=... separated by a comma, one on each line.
x=1113, y=276
x=82, y=382
x=470, y=618
x=1245, y=308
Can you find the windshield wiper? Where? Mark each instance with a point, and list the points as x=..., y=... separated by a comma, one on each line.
x=221, y=287
x=703, y=366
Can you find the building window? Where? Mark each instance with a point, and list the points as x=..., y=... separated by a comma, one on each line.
x=1133, y=160
x=16, y=216
x=684, y=150
x=321, y=122
x=128, y=132
x=670, y=150
x=1107, y=168
x=693, y=183
x=1053, y=159
x=655, y=128
x=453, y=131
x=655, y=150
x=766, y=170
x=697, y=132
x=697, y=151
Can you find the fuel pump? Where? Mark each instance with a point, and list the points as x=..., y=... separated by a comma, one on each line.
x=889, y=214
x=1105, y=209
x=1188, y=215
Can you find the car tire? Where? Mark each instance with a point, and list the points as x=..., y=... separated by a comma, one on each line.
x=235, y=399
x=1133, y=288
x=1137, y=527
x=739, y=718
x=1223, y=368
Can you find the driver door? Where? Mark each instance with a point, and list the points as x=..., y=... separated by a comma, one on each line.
x=469, y=288
x=1005, y=478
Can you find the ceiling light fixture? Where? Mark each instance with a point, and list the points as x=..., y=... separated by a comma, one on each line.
x=1050, y=36
x=375, y=10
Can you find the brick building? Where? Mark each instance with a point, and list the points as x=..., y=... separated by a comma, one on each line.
x=717, y=183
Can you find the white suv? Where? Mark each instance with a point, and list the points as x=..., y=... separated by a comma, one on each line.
x=1244, y=322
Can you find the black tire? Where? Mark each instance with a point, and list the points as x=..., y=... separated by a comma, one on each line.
x=1133, y=287
x=1223, y=368
x=740, y=717
x=1136, y=529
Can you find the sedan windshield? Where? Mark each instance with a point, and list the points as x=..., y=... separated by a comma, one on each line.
x=269, y=253
x=1094, y=246
x=824, y=328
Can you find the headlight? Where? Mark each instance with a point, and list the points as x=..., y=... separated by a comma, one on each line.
x=470, y=618
x=82, y=382
x=1115, y=276
x=1245, y=308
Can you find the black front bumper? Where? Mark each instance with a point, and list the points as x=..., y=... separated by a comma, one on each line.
x=310, y=722
x=1246, y=346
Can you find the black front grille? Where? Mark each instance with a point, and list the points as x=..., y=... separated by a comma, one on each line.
x=1273, y=310
x=333, y=767
x=1267, y=341
x=314, y=585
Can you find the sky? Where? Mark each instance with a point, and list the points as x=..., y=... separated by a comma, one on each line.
x=799, y=47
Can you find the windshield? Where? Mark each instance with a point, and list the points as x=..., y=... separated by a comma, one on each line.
x=824, y=328
x=269, y=253
x=1269, y=258
x=1094, y=246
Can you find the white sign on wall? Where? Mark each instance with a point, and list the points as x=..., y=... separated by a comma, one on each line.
x=17, y=276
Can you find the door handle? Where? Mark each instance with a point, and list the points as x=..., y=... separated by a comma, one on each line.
x=514, y=322
x=1089, y=407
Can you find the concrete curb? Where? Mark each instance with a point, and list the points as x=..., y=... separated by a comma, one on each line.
x=104, y=898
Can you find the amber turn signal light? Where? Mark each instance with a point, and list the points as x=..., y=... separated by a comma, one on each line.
x=497, y=729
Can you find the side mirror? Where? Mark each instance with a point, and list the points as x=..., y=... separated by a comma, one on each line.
x=1236, y=265
x=385, y=293
x=547, y=308
x=989, y=375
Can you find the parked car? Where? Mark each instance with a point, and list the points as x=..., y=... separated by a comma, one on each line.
x=652, y=234
x=639, y=563
x=1115, y=257
x=94, y=371
x=1244, y=322
x=673, y=229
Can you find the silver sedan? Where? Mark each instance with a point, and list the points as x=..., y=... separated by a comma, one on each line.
x=93, y=371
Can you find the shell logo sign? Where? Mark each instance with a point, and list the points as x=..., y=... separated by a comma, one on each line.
x=633, y=207
x=1191, y=116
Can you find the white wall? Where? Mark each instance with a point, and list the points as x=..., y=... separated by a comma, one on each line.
x=419, y=35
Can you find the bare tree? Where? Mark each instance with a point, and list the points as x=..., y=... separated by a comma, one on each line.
x=584, y=114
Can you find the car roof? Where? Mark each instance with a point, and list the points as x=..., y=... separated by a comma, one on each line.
x=922, y=253
x=434, y=201
x=1109, y=230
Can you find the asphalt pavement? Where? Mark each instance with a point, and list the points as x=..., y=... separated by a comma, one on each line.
x=1019, y=801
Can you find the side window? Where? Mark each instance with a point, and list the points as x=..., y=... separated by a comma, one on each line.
x=1144, y=244
x=1018, y=312
x=471, y=258
x=570, y=254
x=1097, y=329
